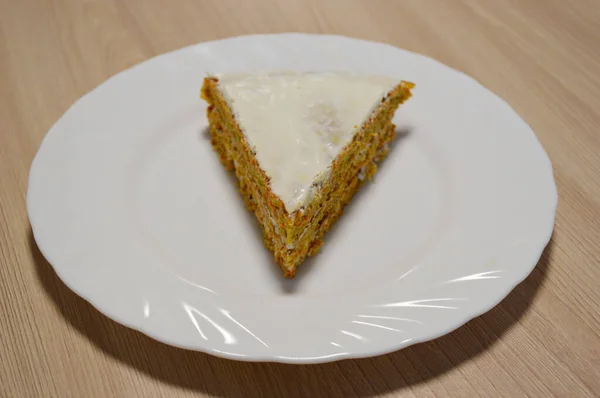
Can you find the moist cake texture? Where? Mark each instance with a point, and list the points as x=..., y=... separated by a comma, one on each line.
x=301, y=145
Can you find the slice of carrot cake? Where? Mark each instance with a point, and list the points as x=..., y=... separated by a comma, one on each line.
x=301, y=145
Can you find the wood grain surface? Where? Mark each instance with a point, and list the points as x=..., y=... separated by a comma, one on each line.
x=542, y=56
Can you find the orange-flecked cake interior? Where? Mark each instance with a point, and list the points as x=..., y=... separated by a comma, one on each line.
x=292, y=236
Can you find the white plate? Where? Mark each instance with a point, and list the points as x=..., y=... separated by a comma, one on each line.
x=130, y=205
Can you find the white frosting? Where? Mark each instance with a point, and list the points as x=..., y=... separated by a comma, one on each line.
x=297, y=123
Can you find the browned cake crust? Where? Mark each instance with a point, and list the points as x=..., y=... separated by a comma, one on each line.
x=294, y=237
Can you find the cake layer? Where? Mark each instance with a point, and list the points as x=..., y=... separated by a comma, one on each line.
x=293, y=236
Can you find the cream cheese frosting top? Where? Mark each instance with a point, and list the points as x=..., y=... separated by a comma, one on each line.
x=297, y=123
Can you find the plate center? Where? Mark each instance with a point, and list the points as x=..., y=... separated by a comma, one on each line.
x=190, y=210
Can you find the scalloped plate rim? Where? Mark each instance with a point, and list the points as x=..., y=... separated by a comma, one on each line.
x=458, y=322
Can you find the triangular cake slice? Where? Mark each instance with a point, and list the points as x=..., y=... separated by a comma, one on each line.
x=301, y=145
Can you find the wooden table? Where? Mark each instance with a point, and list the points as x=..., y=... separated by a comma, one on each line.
x=542, y=56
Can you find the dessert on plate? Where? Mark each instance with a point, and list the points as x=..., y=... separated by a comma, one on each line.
x=301, y=144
